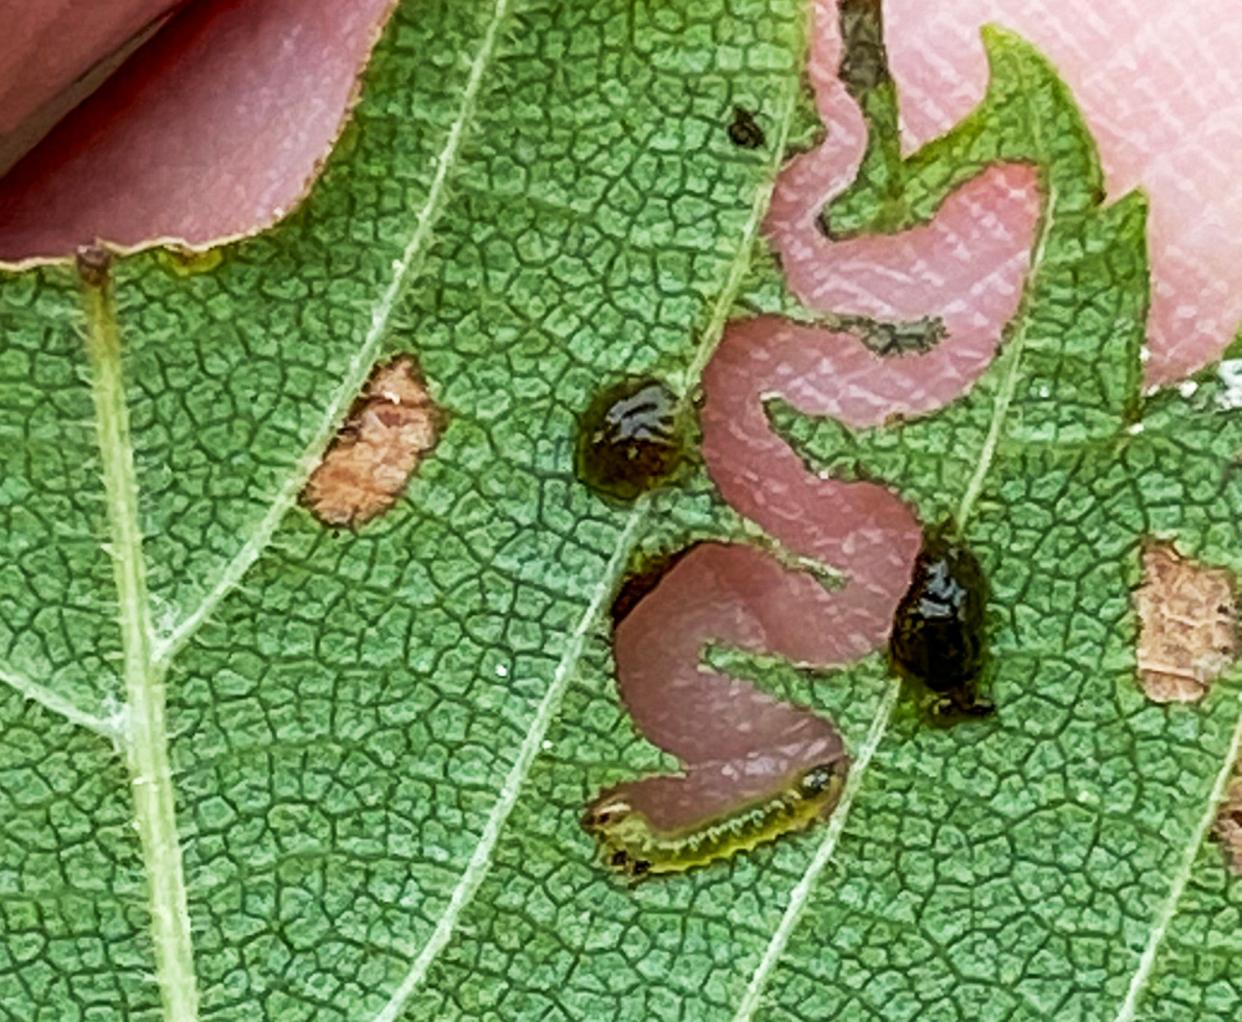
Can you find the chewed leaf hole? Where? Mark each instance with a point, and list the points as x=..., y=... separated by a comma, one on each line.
x=1187, y=625
x=643, y=577
x=182, y=261
x=392, y=427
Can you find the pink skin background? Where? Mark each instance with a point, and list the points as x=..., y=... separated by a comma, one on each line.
x=261, y=87
x=216, y=129
x=219, y=125
x=1161, y=86
x=48, y=44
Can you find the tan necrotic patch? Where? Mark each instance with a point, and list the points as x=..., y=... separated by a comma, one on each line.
x=1188, y=625
x=390, y=429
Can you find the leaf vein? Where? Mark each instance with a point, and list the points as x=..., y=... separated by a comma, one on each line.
x=53, y=702
x=802, y=891
x=1160, y=926
x=480, y=860
x=405, y=269
x=146, y=744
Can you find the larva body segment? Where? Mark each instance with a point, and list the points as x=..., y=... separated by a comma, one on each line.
x=633, y=846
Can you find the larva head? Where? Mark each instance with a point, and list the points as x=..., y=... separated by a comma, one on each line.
x=822, y=779
x=605, y=814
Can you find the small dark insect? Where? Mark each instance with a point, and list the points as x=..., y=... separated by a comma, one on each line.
x=744, y=130
x=630, y=440
x=938, y=641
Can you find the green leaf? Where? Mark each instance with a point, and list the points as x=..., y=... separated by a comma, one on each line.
x=254, y=768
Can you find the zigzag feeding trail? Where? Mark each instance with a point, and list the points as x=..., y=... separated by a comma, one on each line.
x=965, y=272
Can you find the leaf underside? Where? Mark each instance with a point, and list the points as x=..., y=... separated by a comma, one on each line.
x=381, y=741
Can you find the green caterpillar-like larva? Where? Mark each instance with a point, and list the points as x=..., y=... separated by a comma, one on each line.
x=632, y=846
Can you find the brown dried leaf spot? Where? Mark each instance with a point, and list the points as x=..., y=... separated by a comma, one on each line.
x=1188, y=625
x=391, y=426
x=1229, y=822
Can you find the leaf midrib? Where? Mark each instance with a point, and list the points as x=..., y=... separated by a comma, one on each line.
x=146, y=657
x=145, y=734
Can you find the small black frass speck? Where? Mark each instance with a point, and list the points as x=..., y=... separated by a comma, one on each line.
x=744, y=130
